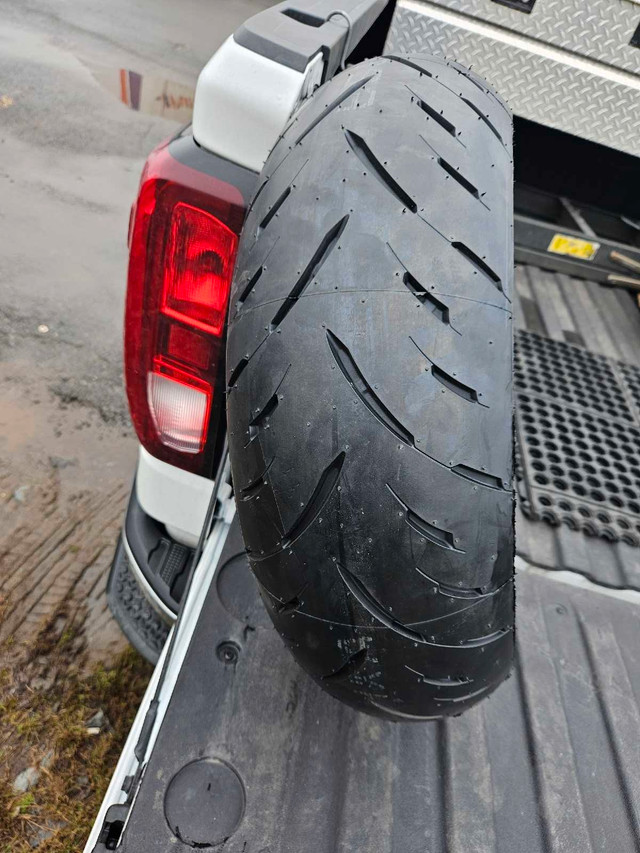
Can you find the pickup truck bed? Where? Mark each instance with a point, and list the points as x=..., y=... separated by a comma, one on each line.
x=547, y=764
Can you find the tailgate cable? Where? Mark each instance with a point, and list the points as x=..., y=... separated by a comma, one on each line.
x=347, y=39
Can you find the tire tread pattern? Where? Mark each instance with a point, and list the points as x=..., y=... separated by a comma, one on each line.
x=369, y=387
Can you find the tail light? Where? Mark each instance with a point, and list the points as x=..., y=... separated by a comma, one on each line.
x=183, y=239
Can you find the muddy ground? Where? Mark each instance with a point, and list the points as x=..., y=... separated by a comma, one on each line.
x=70, y=159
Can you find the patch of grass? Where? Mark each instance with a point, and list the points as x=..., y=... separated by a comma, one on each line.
x=25, y=802
x=46, y=728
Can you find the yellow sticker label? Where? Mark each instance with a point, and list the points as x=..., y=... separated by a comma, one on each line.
x=563, y=244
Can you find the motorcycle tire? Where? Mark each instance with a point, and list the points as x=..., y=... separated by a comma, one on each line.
x=369, y=373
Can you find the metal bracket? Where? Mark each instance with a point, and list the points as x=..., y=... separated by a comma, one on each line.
x=291, y=34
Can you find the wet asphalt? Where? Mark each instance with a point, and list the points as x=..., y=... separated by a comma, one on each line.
x=70, y=160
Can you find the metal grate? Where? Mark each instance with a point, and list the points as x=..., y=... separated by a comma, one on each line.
x=578, y=461
x=632, y=378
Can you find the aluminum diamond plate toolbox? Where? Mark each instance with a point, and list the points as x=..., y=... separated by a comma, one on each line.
x=599, y=29
x=540, y=81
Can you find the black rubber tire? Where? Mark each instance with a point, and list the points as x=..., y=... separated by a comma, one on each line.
x=369, y=388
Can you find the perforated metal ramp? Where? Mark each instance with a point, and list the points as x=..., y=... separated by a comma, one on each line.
x=548, y=763
x=605, y=322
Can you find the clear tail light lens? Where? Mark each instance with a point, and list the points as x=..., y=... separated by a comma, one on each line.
x=183, y=239
x=180, y=412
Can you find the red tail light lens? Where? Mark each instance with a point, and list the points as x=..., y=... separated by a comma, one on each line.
x=198, y=269
x=183, y=241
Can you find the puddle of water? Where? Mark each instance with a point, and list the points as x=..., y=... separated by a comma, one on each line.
x=155, y=96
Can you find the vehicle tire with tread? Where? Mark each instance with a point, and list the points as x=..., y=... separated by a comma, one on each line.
x=369, y=368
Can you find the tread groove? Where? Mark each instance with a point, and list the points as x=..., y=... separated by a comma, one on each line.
x=435, y=535
x=447, y=681
x=450, y=382
x=480, y=477
x=370, y=161
x=249, y=287
x=404, y=61
x=254, y=279
x=436, y=307
x=237, y=372
x=285, y=607
x=251, y=490
x=349, y=667
x=455, y=174
x=319, y=257
x=367, y=395
x=273, y=210
x=332, y=106
x=486, y=689
x=257, y=195
x=478, y=263
x=460, y=591
x=267, y=410
x=321, y=494
x=475, y=642
x=454, y=385
x=483, y=118
x=444, y=123
x=257, y=423
x=472, y=79
x=364, y=391
x=359, y=591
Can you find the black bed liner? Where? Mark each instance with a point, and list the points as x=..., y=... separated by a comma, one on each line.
x=548, y=764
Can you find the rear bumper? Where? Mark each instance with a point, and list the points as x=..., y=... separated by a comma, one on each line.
x=147, y=579
x=155, y=563
x=159, y=563
x=132, y=610
x=175, y=498
x=590, y=91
